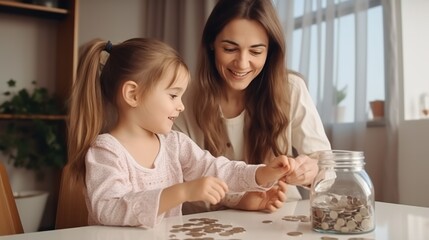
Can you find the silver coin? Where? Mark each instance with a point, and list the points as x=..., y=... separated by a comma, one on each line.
x=294, y=234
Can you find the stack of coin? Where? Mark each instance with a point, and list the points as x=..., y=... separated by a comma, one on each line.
x=342, y=214
x=200, y=227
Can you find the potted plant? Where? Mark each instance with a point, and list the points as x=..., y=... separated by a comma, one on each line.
x=377, y=109
x=340, y=95
x=32, y=137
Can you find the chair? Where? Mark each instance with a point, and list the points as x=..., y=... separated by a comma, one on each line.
x=9, y=216
x=71, y=210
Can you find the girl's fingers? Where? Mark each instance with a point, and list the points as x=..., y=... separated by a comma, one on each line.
x=282, y=186
x=282, y=196
x=278, y=204
x=222, y=184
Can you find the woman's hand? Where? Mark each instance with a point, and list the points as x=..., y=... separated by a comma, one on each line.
x=304, y=171
x=268, y=201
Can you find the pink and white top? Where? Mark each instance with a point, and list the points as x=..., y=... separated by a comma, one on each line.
x=121, y=192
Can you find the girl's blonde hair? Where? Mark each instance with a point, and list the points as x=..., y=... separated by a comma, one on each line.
x=93, y=102
x=267, y=100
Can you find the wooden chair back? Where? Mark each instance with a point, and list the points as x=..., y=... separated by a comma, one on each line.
x=71, y=210
x=10, y=223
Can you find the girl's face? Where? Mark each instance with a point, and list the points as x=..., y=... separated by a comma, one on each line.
x=163, y=103
x=240, y=52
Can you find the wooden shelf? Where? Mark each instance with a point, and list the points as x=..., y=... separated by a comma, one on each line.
x=31, y=117
x=32, y=9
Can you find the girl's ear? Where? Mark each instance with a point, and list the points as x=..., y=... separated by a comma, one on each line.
x=129, y=93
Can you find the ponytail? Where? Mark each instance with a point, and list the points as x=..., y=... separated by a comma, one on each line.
x=85, y=117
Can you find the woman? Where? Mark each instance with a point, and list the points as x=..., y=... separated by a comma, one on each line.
x=244, y=104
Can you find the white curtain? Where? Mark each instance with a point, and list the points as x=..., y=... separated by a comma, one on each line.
x=391, y=17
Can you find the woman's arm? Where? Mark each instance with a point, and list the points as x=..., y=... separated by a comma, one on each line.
x=307, y=133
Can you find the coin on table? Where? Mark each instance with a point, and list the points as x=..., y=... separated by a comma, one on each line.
x=291, y=218
x=238, y=230
x=294, y=234
x=225, y=234
x=360, y=238
x=303, y=218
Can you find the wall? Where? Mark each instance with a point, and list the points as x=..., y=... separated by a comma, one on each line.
x=414, y=162
x=116, y=20
x=27, y=51
x=415, y=39
x=413, y=133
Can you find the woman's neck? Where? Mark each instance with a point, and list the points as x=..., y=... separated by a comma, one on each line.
x=232, y=103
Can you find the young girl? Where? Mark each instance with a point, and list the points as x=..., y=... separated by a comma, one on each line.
x=137, y=171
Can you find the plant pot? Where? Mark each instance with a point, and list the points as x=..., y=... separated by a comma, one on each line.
x=31, y=205
x=377, y=108
x=340, y=113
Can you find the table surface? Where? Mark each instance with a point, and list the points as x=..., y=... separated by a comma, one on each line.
x=393, y=221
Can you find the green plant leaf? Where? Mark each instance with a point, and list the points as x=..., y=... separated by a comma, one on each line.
x=340, y=94
x=11, y=83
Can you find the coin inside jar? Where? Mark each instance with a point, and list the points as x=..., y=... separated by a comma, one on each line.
x=347, y=215
x=342, y=194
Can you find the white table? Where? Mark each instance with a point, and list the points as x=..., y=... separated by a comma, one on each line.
x=393, y=221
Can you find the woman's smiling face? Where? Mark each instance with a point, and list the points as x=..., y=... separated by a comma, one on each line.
x=241, y=50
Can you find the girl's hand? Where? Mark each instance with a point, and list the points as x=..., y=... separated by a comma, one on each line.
x=304, y=172
x=275, y=170
x=208, y=189
x=269, y=201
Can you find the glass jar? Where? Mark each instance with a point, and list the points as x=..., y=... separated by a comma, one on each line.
x=342, y=194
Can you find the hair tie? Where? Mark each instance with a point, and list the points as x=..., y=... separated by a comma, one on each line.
x=108, y=47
